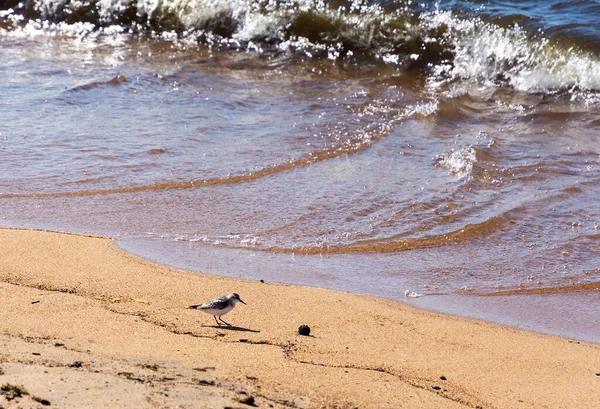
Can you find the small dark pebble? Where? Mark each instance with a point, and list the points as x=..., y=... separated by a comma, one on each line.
x=36, y=353
x=35, y=302
x=262, y=281
x=304, y=330
x=206, y=383
x=443, y=378
x=597, y=373
x=58, y=344
x=248, y=400
x=75, y=364
x=435, y=387
x=243, y=340
x=44, y=402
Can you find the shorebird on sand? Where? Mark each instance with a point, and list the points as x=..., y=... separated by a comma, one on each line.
x=219, y=306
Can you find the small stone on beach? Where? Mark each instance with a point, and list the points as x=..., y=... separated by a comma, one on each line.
x=248, y=400
x=304, y=330
x=44, y=402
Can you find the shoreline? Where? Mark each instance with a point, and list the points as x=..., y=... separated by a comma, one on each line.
x=79, y=298
x=561, y=311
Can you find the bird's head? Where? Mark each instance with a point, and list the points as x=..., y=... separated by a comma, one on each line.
x=235, y=297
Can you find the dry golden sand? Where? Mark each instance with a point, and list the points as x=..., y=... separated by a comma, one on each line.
x=70, y=299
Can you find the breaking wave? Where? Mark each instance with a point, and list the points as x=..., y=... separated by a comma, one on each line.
x=448, y=46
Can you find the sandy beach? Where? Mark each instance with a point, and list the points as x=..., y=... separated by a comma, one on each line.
x=84, y=324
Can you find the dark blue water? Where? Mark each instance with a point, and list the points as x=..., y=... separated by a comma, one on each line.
x=572, y=22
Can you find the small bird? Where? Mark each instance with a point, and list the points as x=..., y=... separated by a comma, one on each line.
x=219, y=306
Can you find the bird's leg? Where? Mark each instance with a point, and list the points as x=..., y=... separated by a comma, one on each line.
x=225, y=322
x=218, y=323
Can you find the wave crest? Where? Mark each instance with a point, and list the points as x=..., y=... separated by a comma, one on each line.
x=449, y=48
x=496, y=56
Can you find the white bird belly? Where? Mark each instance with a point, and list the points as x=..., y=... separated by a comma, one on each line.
x=216, y=311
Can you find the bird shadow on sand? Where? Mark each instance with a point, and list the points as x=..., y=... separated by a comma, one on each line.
x=232, y=328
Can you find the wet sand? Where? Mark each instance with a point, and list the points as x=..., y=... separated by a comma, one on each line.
x=83, y=323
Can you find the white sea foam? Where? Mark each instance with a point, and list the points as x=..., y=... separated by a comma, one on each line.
x=458, y=161
x=412, y=294
x=234, y=240
x=492, y=55
x=475, y=52
x=422, y=109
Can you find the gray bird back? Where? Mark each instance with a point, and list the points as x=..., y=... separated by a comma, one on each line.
x=218, y=303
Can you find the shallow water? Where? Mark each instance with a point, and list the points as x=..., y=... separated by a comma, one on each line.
x=387, y=149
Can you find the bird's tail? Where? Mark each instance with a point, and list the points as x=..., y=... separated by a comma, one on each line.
x=193, y=307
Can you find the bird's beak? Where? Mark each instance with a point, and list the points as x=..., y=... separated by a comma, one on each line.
x=242, y=301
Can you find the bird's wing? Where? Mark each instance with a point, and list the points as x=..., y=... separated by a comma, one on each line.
x=218, y=303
